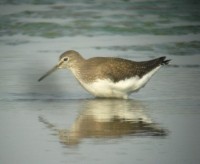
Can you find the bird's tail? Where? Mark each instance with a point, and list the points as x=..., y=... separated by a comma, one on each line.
x=163, y=61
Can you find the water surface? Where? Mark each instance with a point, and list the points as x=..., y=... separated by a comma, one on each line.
x=56, y=121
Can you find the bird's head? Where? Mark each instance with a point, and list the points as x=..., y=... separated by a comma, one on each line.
x=67, y=60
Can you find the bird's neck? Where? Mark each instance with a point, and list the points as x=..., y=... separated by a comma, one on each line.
x=77, y=67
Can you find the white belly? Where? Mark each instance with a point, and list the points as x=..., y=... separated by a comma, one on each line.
x=121, y=89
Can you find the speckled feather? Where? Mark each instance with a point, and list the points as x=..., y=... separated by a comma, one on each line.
x=117, y=69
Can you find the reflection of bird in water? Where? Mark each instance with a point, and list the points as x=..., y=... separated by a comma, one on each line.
x=102, y=118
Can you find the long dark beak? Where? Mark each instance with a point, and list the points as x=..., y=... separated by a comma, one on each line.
x=50, y=71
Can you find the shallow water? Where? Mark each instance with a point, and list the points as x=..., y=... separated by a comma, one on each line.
x=56, y=121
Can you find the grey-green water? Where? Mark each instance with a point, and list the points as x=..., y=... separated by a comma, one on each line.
x=56, y=121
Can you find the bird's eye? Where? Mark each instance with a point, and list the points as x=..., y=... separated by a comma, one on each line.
x=65, y=59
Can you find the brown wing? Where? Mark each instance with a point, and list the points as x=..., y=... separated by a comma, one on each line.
x=118, y=69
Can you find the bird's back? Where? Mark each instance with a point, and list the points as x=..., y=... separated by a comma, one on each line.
x=117, y=69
